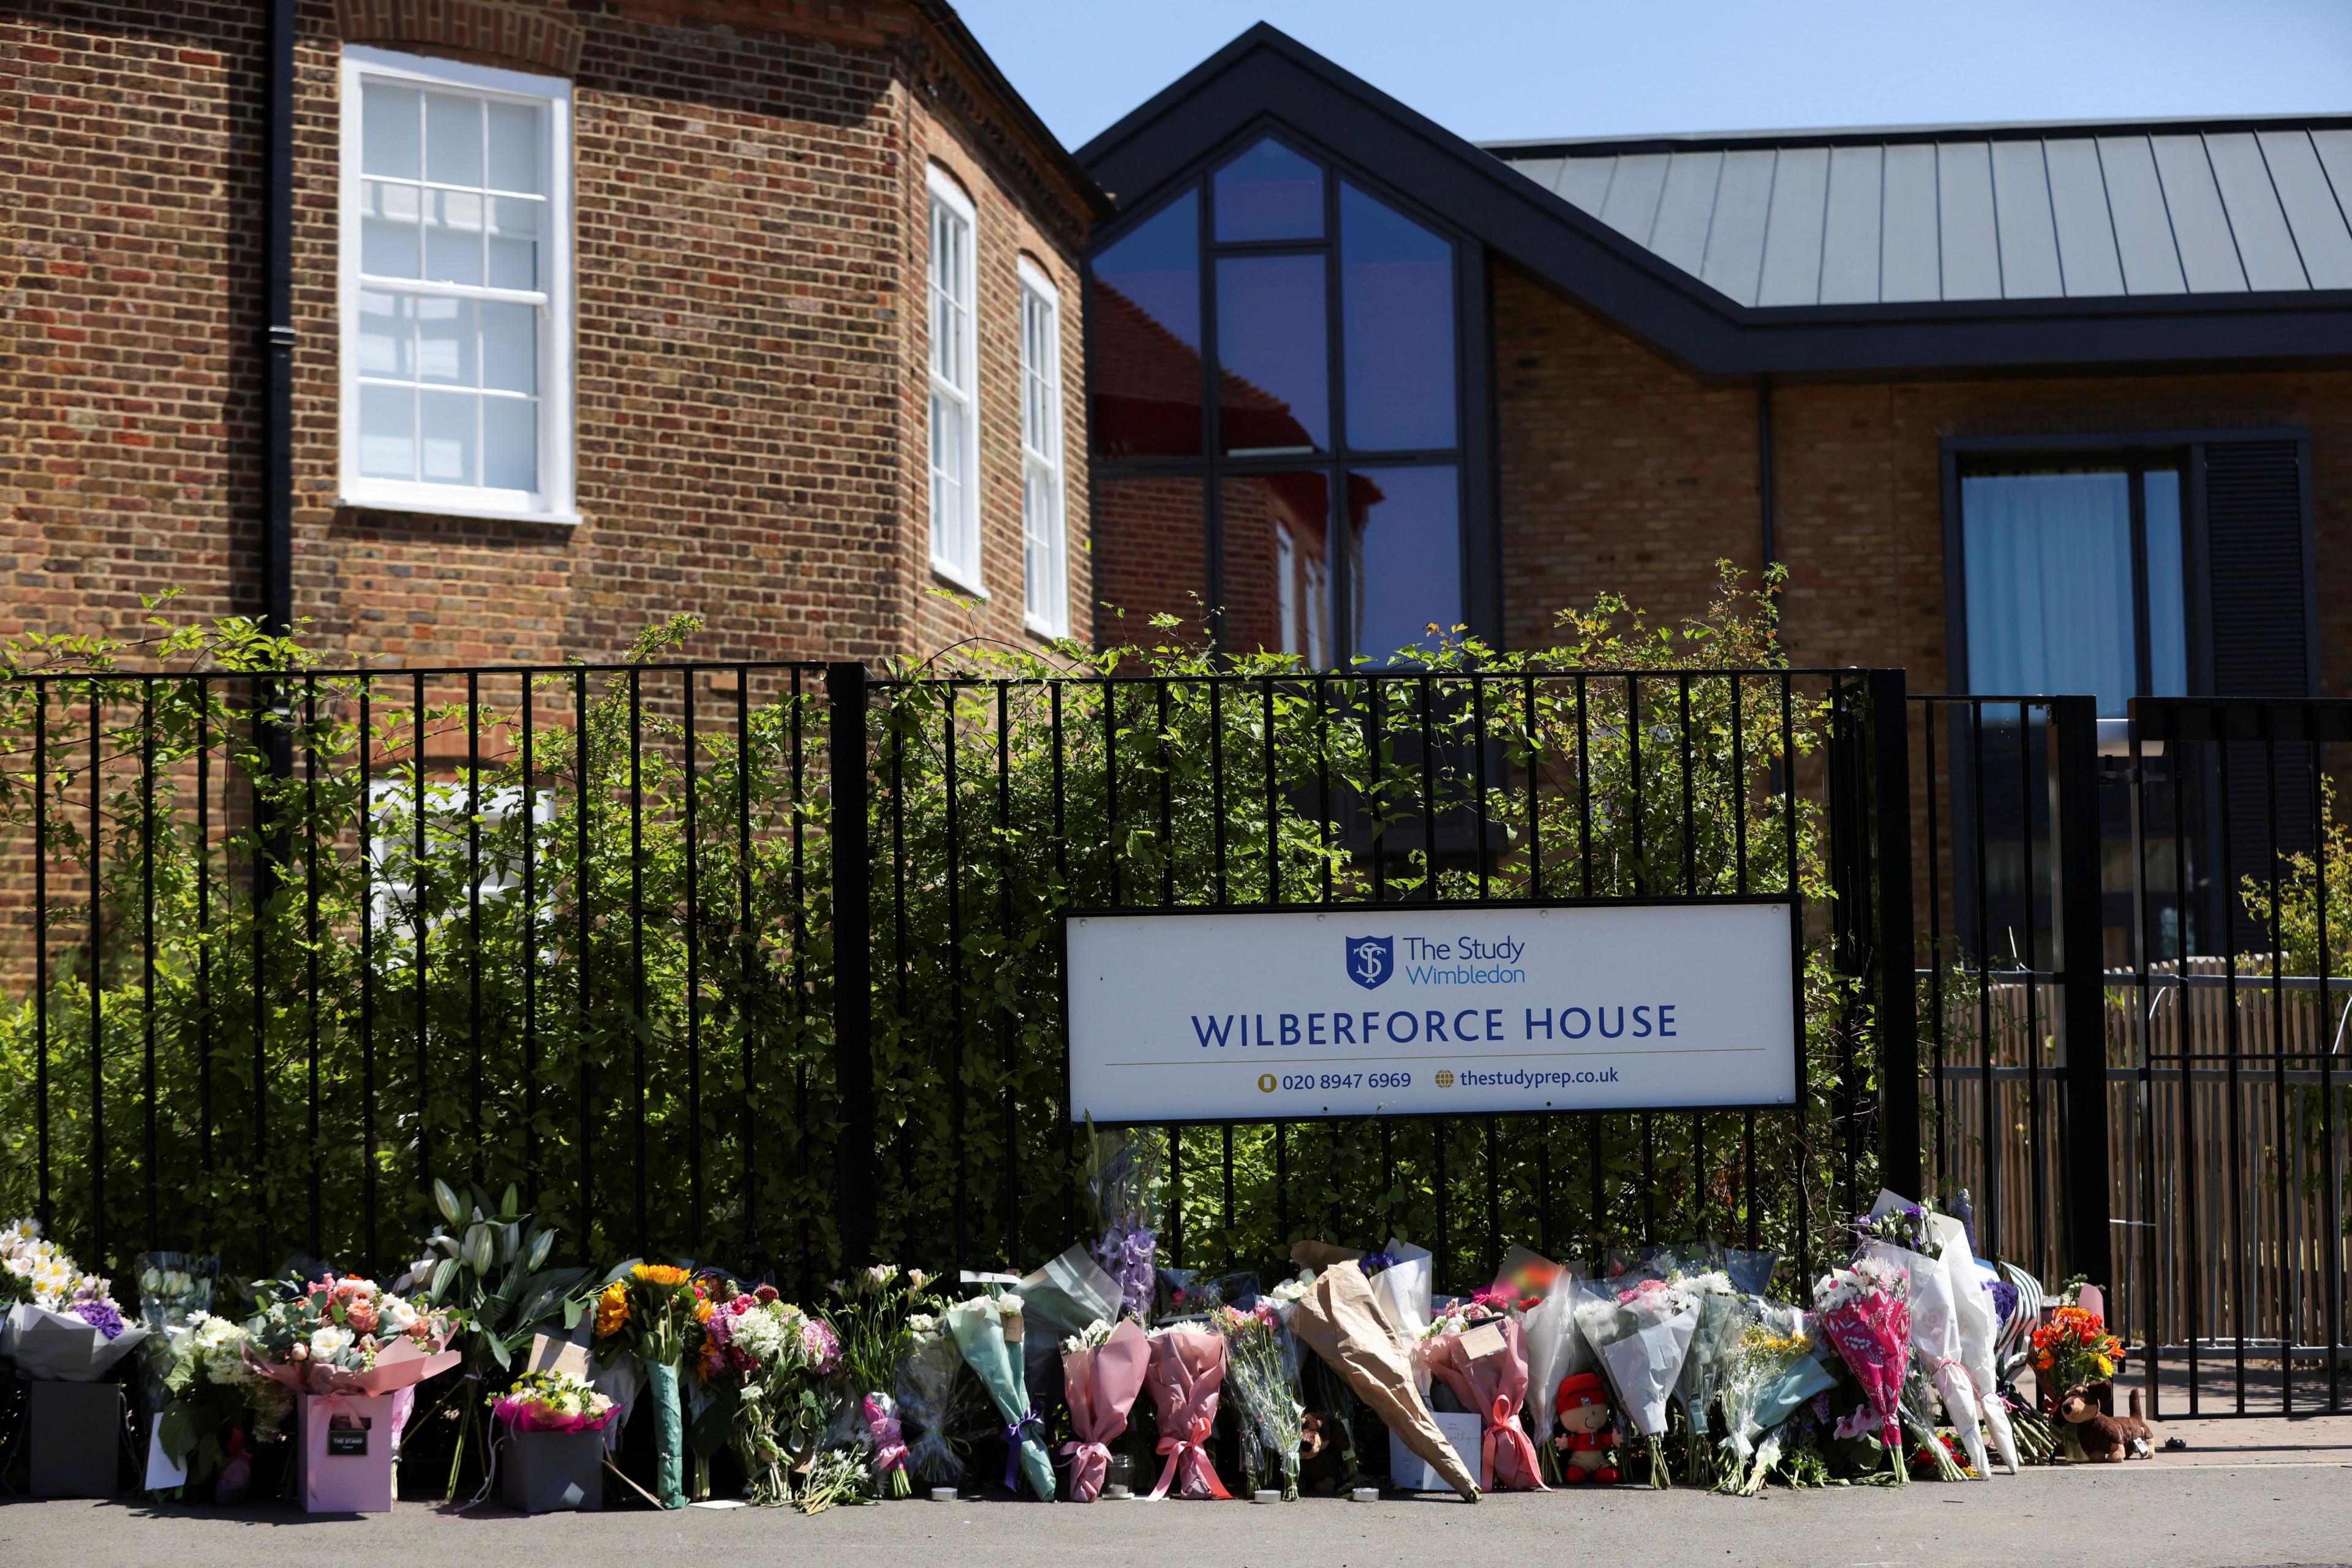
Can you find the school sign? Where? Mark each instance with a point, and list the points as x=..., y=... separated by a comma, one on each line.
x=1285, y=1015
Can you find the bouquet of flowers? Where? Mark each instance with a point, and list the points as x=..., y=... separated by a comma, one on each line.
x=554, y=1402
x=63, y=1325
x=1103, y=1367
x=1724, y=1316
x=988, y=1330
x=1186, y=1371
x=1263, y=1380
x=1122, y=1184
x=175, y=1290
x=647, y=1310
x=937, y=1396
x=1865, y=1312
x=872, y=1319
x=1062, y=1298
x=2073, y=1347
x=212, y=1401
x=1979, y=1329
x=1342, y=1319
x=1772, y=1370
x=348, y=1337
x=1484, y=1360
x=1903, y=1235
x=773, y=1359
x=1640, y=1330
x=1546, y=1295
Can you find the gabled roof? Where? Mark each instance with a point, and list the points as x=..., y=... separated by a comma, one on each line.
x=1946, y=212
x=1798, y=305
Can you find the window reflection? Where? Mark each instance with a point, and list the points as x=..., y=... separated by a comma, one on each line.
x=1274, y=395
x=1277, y=567
x=1269, y=192
x=2168, y=630
x=1146, y=368
x=1396, y=281
x=1405, y=527
x=1151, y=554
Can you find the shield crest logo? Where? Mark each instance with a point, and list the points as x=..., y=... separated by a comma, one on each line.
x=1370, y=960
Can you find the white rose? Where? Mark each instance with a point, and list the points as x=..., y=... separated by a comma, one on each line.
x=330, y=1341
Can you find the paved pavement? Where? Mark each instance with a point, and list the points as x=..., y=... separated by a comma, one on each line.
x=2145, y=1515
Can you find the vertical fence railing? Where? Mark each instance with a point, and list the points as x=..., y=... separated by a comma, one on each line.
x=2234, y=1100
x=757, y=963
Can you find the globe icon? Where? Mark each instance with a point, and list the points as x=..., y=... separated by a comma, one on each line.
x=1445, y=1079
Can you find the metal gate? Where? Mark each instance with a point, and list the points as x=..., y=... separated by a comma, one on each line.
x=2171, y=887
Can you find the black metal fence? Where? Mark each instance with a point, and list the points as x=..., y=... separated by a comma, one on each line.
x=2132, y=1054
x=757, y=962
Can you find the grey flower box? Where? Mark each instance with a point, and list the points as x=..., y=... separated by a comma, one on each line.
x=76, y=1437
x=549, y=1472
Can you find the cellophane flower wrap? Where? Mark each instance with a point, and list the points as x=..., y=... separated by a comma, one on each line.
x=1865, y=1311
x=1724, y=1316
x=1064, y=1297
x=648, y=1311
x=1640, y=1328
x=1493, y=1384
x=1103, y=1368
x=1979, y=1326
x=1903, y=1235
x=1772, y=1370
x=1547, y=1296
x=989, y=1331
x=63, y=1324
x=871, y=1314
x=1124, y=1184
x=1263, y=1377
x=554, y=1402
x=936, y=1398
x=2073, y=1347
x=1186, y=1373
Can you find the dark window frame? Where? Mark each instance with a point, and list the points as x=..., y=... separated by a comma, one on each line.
x=1472, y=457
x=2132, y=448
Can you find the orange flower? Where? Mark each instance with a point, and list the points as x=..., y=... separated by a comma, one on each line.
x=703, y=1310
x=660, y=1274
x=612, y=1310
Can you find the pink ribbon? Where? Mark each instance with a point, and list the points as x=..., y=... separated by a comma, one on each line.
x=890, y=1439
x=1089, y=1469
x=1185, y=1450
x=1505, y=1452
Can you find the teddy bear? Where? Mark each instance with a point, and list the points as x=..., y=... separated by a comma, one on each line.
x=2105, y=1439
x=1582, y=1406
x=1322, y=1452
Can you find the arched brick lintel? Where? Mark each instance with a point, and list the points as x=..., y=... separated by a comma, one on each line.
x=522, y=36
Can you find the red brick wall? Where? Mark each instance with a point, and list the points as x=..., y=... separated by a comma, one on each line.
x=1620, y=472
x=749, y=264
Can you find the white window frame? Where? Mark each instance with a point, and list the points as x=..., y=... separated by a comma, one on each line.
x=554, y=501
x=955, y=540
x=1047, y=602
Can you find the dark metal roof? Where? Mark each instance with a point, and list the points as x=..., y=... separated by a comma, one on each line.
x=1836, y=253
x=1949, y=212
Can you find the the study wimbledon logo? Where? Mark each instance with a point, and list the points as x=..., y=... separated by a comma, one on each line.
x=1370, y=960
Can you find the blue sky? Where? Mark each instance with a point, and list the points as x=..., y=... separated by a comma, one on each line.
x=1498, y=68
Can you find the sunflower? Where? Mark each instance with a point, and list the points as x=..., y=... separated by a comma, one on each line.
x=660, y=1274
x=612, y=1310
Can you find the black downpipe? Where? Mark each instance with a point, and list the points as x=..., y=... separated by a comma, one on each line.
x=277, y=333
x=1764, y=470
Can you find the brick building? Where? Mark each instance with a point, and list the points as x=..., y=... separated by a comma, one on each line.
x=497, y=330
x=2062, y=408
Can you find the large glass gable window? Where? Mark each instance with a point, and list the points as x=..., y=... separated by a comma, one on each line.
x=1291, y=342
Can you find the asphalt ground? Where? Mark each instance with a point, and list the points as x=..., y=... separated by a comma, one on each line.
x=2145, y=1515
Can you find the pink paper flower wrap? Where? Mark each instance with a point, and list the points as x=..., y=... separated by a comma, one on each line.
x=1494, y=1387
x=1873, y=1333
x=1100, y=1385
x=1187, y=1370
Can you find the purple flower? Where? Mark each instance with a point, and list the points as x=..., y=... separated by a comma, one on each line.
x=2004, y=1299
x=1377, y=1262
x=100, y=1315
x=1126, y=1253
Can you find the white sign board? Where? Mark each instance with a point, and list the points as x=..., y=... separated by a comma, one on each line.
x=1278, y=1014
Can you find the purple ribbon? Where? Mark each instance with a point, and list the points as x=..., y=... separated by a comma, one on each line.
x=1030, y=1426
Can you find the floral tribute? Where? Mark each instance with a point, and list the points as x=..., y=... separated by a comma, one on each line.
x=554, y=1402
x=2074, y=1347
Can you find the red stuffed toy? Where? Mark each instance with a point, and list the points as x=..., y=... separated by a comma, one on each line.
x=1582, y=1406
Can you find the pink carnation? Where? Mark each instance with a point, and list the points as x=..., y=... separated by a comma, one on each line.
x=821, y=1344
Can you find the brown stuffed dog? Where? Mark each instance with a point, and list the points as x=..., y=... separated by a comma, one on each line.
x=1322, y=1452
x=2105, y=1439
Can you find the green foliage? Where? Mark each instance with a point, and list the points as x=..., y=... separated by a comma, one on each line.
x=624, y=1010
